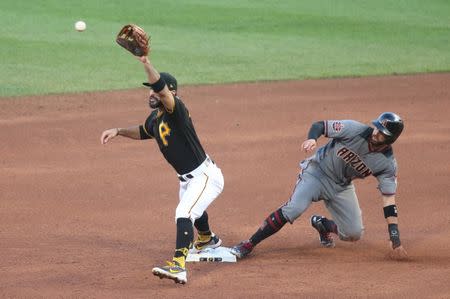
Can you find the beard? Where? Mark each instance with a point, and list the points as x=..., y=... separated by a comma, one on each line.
x=375, y=142
x=154, y=103
x=376, y=145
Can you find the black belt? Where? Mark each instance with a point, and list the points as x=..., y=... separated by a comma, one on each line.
x=189, y=176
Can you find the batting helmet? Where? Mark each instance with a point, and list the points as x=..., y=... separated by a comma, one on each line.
x=390, y=125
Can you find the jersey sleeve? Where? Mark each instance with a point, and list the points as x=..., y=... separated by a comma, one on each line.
x=146, y=129
x=343, y=128
x=387, y=180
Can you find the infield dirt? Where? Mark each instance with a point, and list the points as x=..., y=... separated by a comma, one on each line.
x=81, y=219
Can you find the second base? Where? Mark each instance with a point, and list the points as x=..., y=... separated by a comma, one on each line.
x=219, y=254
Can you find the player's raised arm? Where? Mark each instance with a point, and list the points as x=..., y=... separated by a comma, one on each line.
x=135, y=40
x=317, y=129
x=390, y=213
x=158, y=84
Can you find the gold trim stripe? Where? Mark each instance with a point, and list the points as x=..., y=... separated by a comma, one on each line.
x=146, y=131
x=206, y=182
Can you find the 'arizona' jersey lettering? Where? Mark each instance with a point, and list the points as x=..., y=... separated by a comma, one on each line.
x=355, y=161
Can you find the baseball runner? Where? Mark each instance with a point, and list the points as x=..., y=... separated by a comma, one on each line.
x=354, y=151
x=201, y=181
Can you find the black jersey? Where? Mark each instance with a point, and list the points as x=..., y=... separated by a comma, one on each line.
x=176, y=137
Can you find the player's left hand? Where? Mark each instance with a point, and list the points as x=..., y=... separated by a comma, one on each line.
x=309, y=145
x=134, y=39
x=399, y=254
x=143, y=59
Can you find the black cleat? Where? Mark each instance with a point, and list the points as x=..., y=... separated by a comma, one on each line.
x=326, y=240
x=242, y=249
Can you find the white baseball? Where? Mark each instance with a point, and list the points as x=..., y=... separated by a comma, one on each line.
x=80, y=26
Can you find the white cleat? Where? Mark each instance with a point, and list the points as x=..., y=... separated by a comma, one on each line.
x=171, y=271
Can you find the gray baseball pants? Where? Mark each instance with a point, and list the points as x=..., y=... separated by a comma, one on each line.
x=341, y=201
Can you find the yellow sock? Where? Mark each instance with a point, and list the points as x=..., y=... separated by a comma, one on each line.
x=204, y=238
x=180, y=261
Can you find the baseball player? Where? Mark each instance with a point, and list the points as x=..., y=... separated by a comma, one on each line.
x=355, y=150
x=201, y=181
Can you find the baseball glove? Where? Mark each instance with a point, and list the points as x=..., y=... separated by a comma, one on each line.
x=134, y=39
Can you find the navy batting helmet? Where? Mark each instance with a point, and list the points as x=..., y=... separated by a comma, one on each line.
x=390, y=124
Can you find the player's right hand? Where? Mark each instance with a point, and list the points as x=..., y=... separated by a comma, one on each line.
x=399, y=254
x=109, y=134
x=309, y=145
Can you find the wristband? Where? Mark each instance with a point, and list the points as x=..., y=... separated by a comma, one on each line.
x=390, y=211
x=158, y=85
x=317, y=130
x=394, y=235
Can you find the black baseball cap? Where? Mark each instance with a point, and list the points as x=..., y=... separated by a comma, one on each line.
x=170, y=80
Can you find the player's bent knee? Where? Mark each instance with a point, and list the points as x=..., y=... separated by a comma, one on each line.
x=193, y=214
x=181, y=212
x=351, y=236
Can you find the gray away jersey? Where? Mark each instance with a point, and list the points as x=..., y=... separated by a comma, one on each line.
x=347, y=156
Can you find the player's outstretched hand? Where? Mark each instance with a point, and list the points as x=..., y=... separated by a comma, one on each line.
x=309, y=145
x=109, y=134
x=399, y=254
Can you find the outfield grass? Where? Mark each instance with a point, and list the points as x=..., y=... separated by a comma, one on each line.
x=206, y=41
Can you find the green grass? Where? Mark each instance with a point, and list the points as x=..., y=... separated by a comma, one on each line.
x=206, y=41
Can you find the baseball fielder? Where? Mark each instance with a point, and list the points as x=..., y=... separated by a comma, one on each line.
x=201, y=181
x=354, y=151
